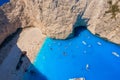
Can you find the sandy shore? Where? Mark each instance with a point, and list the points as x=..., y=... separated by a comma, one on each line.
x=29, y=40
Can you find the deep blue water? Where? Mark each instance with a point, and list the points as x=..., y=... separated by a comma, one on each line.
x=3, y=2
x=83, y=56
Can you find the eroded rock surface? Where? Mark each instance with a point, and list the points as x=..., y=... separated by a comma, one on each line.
x=105, y=19
x=58, y=18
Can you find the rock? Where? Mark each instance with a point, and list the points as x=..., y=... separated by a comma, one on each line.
x=58, y=18
x=104, y=19
x=9, y=20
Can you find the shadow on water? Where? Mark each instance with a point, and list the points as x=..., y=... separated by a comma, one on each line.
x=16, y=66
x=4, y=23
x=80, y=23
x=9, y=38
x=10, y=53
x=34, y=74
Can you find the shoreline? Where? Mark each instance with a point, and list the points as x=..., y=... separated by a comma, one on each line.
x=29, y=40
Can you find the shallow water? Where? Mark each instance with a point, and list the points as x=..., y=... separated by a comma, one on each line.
x=82, y=56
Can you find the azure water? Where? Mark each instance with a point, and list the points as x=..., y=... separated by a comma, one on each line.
x=82, y=56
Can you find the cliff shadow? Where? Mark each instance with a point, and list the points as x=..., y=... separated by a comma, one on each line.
x=13, y=61
x=33, y=73
x=10, y=37
x=80, y=24
x=16, y=65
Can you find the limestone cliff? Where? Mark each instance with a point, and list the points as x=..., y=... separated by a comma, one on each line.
x=58, y=18
x=105, y=19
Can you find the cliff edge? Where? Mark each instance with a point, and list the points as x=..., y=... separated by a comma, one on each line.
x=58, y=18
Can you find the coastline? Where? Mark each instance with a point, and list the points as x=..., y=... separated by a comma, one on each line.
x=26, y=41
x=29, y=40
x=81, y=46
x=104, y=38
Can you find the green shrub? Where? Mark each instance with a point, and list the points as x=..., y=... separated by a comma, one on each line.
x=113, y=9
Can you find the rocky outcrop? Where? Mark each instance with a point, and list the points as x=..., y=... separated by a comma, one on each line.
x=9, y=20
x=58, y=18
x=105, y=19
x=7, y=27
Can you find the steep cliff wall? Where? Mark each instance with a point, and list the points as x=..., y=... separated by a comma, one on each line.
x=104, y=19
x=58, y=18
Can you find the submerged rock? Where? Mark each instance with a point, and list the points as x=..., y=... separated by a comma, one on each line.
x=58, y=18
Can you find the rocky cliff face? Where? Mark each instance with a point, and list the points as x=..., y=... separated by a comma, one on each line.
x=105, y=19
x=58, y=18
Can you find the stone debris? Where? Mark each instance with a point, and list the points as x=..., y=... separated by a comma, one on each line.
x=116, y=54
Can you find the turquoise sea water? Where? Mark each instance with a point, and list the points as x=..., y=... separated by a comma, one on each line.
x=82, y=56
